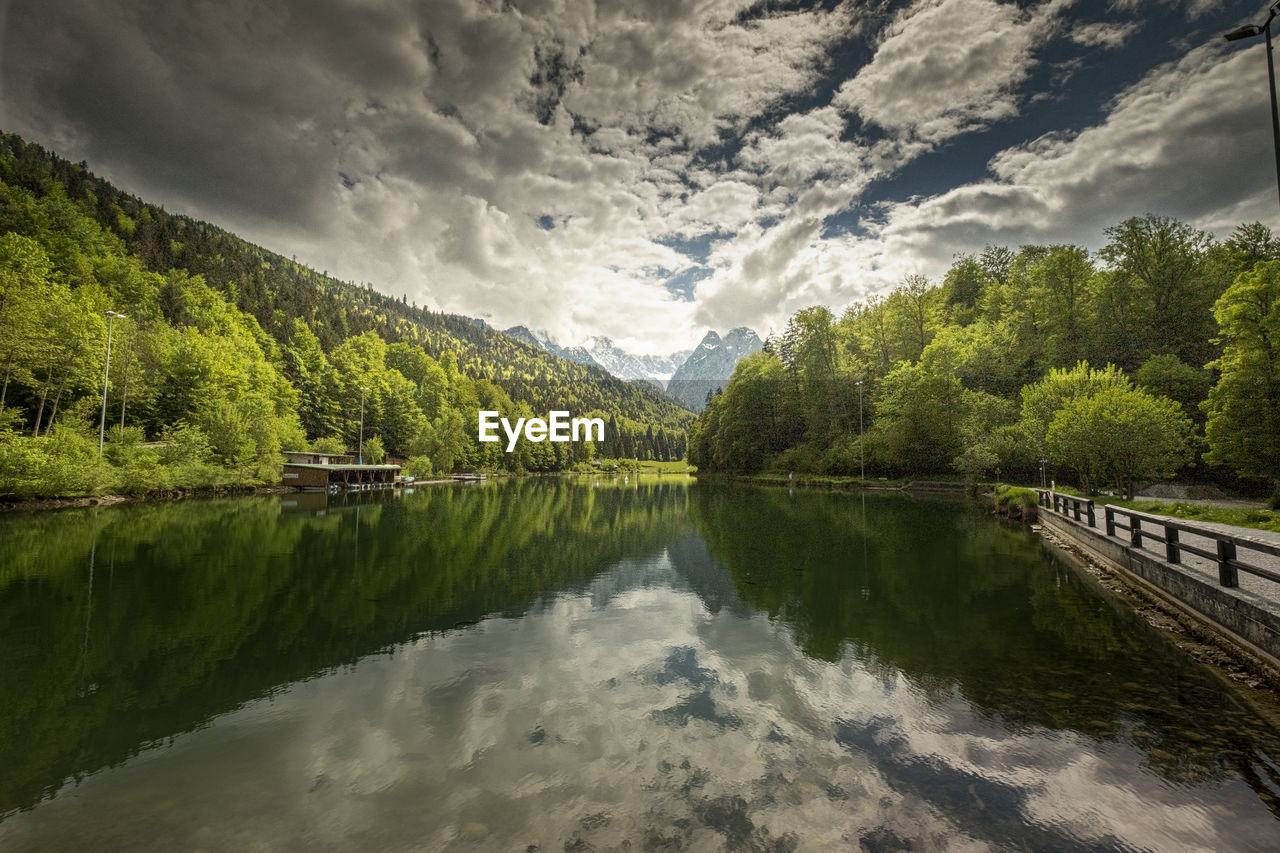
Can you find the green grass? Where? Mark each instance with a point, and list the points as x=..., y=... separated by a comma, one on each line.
x=630, y=465
x=1014, y=496
x=1259, y=518
x=774, y=478
x=676, y=467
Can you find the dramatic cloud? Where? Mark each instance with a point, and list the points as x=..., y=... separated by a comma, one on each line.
x=950, y=66
x=644, y=170
x=515, y=729
x=1104, y=35
x=1149, y=155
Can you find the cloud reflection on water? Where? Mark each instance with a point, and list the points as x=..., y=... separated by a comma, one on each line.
x=557, y=727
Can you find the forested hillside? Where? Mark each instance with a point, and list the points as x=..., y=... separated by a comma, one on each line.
x=228, y=353
x=1158, y=354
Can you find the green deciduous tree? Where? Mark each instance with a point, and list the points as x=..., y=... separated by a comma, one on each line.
x=1118, y=436
x=332, y=444
x=1243, y=409
x=1042, y=400
x=374, y=453
x=918, y=418
x=1159, y=291
x=1166, y=375
x=25, y=277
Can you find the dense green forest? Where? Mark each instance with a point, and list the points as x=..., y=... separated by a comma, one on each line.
x=228, y=354
x=1157, y=355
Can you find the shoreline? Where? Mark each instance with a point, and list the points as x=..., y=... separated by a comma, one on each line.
x=850, y=484
x=84, y=501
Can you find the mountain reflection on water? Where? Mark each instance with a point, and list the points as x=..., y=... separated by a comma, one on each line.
x=596, y=665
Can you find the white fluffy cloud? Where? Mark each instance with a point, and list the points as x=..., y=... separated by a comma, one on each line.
x=425, y=147
x=947, y=66
x=1187, y=140
x=1103, y=34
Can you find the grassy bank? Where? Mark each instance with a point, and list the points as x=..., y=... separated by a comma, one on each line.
x=831, y=481
x=1259, y=518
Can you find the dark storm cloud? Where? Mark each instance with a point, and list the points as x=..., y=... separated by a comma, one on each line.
x=227, y=108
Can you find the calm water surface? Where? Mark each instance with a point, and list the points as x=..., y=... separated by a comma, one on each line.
x=559, y=665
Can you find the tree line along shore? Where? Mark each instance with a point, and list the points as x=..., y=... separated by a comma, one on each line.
x=1157, y=356
x=223, y=355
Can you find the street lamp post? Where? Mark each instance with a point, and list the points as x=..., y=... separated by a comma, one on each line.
x=1250, y=31
x=106, y=376
x=862, y=450
x=360, y=449
x=1043, y=482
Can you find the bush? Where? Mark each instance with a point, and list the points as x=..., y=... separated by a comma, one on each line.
x=1011, y=497
x=123, y=444
x=374, y=454
x=418, y=467
x=183, y=444
x=20, y=459
x=803, y=457
x=140, y=474
x=60, y=463
x=975, y=463
x=841, y=458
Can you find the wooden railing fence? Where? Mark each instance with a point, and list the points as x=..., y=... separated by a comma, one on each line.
x=1138, y=526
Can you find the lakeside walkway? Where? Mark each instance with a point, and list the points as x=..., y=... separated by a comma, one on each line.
x=1250, y=610
x=1261, y=592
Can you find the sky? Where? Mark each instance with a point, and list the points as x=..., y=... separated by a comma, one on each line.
x=650, y=169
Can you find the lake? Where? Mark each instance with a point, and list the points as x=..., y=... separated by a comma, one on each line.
x=582, y=664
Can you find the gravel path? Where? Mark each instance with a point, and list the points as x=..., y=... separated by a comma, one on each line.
x=1261, y=592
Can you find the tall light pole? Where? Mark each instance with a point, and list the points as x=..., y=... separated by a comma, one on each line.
x=361, y=444
x=862, y=450
x=106, y=376
x=1250, y=31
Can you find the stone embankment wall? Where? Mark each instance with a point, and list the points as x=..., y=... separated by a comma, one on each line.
x=1249, y=613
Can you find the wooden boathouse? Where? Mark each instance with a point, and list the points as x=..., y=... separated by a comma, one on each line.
x=329, y=471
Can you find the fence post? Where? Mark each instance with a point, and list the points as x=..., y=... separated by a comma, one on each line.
x=1227, y=575
x=1093, y=521
x=1171, y=544
x=1075, y=506
x=1135, y=528
x=1109, y=514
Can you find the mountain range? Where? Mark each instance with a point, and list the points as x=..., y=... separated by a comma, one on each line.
x=710, y=365
x=601, y=352
x=686, y=375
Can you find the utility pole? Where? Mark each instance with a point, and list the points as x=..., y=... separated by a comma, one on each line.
x=862, y=449
x=360, y=449
x=106, y=376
